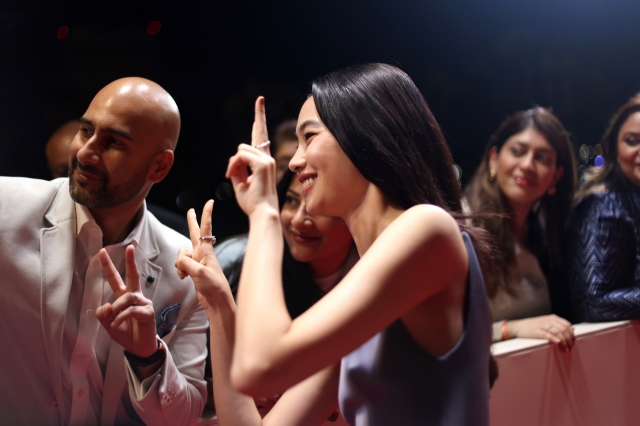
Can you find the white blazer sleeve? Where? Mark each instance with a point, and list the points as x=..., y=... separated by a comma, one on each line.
x=176, y=394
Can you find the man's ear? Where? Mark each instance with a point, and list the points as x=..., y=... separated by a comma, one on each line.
x=160, y=166
x=493, y=158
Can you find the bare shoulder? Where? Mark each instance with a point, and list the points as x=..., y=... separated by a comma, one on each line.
x=428, y=232
x=426, y=221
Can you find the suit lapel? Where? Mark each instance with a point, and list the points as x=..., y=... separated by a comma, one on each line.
x=147, y=269
x=146, y=253
x=115, y=379
x=57, y=246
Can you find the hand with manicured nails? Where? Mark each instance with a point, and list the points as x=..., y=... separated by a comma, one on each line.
x=257, y=191
x=201, y=264
x=130, y=319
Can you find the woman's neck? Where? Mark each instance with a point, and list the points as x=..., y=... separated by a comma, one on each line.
x=519, y=214
x=324, y=267
x=370, y=218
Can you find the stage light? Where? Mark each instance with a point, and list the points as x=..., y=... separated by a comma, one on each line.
x=224, y=191
x=154, y=27
x=583, y=153
x=599, y=161
x=184, y=201
x=63, y=31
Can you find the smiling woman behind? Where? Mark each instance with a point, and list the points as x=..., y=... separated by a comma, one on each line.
x=522, y=192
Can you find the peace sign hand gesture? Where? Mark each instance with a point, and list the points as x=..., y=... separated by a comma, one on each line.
x=201, y=264
x=257, y=191
x=130, y=319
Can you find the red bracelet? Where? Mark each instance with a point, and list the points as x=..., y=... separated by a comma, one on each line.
x=505, y=335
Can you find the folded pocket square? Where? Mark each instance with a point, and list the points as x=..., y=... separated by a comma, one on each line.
x=168, y=319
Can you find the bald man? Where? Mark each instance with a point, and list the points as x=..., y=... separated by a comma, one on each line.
x=57, y=152
x=59, y=365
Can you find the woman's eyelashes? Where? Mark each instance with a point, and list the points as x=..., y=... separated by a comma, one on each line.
x=540, y=157
x=543, y=158
x=631, y=140
x=291, y=200
x=517, y=151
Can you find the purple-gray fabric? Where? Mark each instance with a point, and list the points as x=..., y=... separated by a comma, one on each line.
x=390, y=380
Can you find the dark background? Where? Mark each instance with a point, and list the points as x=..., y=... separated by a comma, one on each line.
x=475, y=61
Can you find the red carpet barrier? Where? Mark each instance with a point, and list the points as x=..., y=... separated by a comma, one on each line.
x=597, y=383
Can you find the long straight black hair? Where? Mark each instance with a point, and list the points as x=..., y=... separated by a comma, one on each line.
x=385, y=127
x=383, y=124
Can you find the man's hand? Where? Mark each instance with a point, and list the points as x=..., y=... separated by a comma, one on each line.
x=130, y=320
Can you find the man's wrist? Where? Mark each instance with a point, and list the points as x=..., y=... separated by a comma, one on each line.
x=137, y=361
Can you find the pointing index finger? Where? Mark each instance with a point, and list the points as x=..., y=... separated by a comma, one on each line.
x=259, y=133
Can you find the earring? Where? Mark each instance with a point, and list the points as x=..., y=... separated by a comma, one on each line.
x=492, y=175
x=551, y=191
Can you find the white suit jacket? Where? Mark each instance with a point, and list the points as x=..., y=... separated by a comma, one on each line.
x=37, y=244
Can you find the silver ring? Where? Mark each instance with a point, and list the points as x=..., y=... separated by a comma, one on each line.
x=263, y=144
x=211, y=238
x=549, y=327
x=135, y=298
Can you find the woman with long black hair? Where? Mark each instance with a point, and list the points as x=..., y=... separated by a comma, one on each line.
x=404, y=337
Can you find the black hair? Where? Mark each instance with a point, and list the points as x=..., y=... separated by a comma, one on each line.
x=383, y=124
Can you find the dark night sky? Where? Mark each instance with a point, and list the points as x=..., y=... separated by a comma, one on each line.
x=475, y=62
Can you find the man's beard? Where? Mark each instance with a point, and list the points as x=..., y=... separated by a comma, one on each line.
x=104, y=197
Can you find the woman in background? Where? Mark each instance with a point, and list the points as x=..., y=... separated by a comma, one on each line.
x=318, y=253
x=410, y=321
x=522, y=194
x=605, y=230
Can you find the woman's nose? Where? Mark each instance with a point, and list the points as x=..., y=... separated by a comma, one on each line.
x=528, y=162
x=302, y=219
x=298, y=162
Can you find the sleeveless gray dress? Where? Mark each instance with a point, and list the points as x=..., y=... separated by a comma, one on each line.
x=390, y=380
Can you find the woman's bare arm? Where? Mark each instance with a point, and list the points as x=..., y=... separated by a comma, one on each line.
x=417, y=256
x=311, y=402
